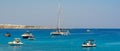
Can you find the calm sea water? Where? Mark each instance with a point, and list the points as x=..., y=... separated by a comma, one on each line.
x=106, y=40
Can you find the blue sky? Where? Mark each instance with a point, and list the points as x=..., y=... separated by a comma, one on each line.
x=75, y=13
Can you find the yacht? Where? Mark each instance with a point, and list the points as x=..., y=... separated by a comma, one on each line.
x=25, y=35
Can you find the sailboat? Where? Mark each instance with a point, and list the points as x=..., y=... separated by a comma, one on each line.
x=59, y=30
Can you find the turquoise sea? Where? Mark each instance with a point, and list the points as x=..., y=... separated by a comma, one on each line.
x=106, y=40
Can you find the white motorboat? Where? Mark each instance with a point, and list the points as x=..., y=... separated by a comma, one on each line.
x=89, y=43
x=16, y=42
x=25, y=35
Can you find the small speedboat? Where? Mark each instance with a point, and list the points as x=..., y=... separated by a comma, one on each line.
x=16, y=42
x=89, y=43
x=26, y=35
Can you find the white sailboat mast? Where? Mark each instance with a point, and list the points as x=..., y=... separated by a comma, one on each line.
x=59, y=16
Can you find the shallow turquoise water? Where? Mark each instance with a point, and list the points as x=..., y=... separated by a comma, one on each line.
x=106, y=40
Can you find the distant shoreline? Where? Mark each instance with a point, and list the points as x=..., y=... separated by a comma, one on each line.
x=13, y=26
x=64, y=28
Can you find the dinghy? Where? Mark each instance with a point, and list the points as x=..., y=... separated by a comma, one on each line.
x=89, y=43
x=16, y=42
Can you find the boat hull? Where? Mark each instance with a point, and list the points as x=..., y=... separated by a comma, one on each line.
x=15, y=44
x=25, y=37
x=88, y=46
x=94, y=45
x=58, y=33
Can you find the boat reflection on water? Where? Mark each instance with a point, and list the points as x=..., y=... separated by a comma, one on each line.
x=54, y=36
x=89, y=48
x=15, y=47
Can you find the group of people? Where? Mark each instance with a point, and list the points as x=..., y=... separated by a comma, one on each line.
x=16, y=40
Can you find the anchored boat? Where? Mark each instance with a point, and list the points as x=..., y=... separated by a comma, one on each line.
x=16, y=42
x=59, y=30
x=26, y=35
x=89, y=43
